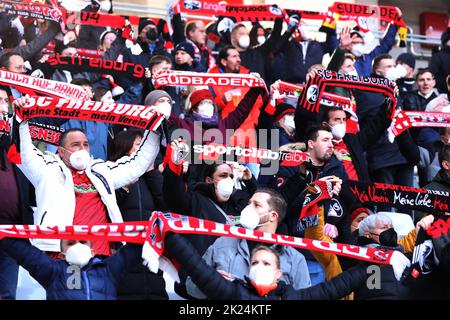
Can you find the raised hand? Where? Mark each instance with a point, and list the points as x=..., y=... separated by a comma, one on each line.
x=345, y=40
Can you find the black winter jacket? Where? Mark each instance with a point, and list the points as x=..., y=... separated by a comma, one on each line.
x=201, y=203
x=440, y=182
x=440, y=66
x=255, y=59
x=216, y=287
x=142, y=198
x=98, y=279
x=389, y=287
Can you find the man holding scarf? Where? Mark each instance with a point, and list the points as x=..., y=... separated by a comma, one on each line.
x=72, y=188
x=265, y=212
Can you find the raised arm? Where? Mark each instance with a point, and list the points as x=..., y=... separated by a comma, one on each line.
x=38, y=264
x=129, y=168
x=124, y=260
x=178, y=32
x=237, y=117
x=275, y=37
x=336, y=288
x=386, y=43
x=38, y=43
x=176, y=195
x=34, y=166
x=204, y=276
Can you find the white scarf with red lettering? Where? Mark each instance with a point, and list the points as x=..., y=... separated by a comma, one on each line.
x=188, y=78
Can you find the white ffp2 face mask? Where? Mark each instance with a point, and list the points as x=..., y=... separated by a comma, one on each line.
x=261, y=39
x=249, y=218
x=262, y=275
x=353, y=72
x=396, y=73
x=80, y=159
x=165, y=108
x=338, y=130
x=244, y=42
x=289, y=122
x=225, y=187
x=79, y=254
x=205, y=109
x=358, y=49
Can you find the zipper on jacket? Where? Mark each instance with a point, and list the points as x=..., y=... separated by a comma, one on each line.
x=87, y=284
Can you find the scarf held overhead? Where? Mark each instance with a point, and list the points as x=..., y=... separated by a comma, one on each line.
x=187, y=78
x=255, y=13
x=78, y=64
x=404, y=120
x=353, y=11
x=28, y=9
x=314, y=89
x=145, y=117
x=36, y=86
x=327, y=98
x=219, y=153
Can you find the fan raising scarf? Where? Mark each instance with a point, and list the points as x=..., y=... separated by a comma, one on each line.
x=328, y=99
x=145, y=117
x=404, y=120
x=353, y=11
x=78, y=64
x=67, y=20
x=187, y=78
x=219, y=153
x=37, y=86
x=151, y=234
x=255, y=13
x=314, y=89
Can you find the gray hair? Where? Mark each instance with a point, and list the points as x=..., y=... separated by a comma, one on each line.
x=370, y=222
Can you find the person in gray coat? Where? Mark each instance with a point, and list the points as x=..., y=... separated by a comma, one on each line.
x=231, y=256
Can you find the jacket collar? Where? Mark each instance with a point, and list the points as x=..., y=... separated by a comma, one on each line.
x=442, y=177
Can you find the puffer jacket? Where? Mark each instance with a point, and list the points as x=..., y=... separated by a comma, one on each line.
x=95, y=281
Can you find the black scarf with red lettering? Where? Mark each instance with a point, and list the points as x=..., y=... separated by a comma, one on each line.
x=38, y=131
x=400, y=197
x=431, y=257
x=115, y=68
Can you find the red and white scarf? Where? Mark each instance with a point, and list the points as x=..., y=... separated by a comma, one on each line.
x=35, y=86
x=145, y=117
x=152, y=233
x=353, y=11
x=255, y=13
x=68, y=20
x=188, y=78
x=404, y=120
x=84, y=53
